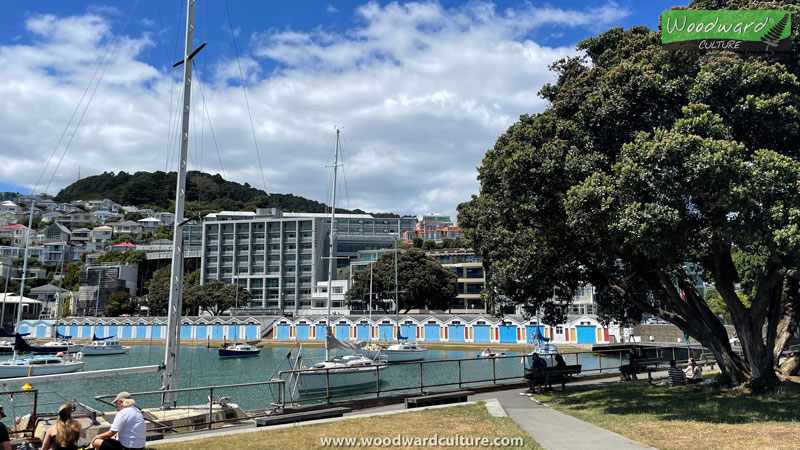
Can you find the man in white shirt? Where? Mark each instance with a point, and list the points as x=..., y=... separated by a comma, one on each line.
x=128, y=425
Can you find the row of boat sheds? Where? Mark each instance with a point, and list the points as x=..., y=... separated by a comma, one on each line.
x=423, y=328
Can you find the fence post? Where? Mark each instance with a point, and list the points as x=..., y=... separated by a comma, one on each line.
x=377, y=382
x=210, y=407
x=459, y=374
x=328, y=385
x=494, y=371
x=600, y=362
x=673, y=352
x=421, y=383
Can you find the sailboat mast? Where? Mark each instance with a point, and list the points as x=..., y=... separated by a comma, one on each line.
x=24, y=272
x=396, y=298
x=331, y=260
x=170, y=379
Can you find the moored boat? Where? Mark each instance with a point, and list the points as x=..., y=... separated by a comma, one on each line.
x=239, y=350
x=104, y=346
x=403, y=352
x=38, y=365
x=348, y=373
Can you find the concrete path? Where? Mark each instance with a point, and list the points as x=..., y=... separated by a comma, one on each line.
x=554, y=430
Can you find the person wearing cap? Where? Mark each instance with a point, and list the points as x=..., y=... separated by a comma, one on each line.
x=5, y=441
x=65, y=433
x=128, y=425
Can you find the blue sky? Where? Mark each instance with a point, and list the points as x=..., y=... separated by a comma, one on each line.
x=421, y=89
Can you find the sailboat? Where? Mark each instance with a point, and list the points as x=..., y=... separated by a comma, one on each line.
x=102, y=346
x=400, y=351
x=39, y=365
x=60, y=343
x=345, y=373
x=542, y=346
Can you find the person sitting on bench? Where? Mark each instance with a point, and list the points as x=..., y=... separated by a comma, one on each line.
x=538, y=362
x=560, y=363
x=626, y=370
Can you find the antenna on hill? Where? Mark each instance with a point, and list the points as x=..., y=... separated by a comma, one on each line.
x=79, y=173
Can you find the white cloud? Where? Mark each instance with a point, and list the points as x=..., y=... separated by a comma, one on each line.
x=421, y=91
x=331, y=9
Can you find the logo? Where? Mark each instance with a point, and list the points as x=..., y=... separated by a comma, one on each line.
x=731, y=30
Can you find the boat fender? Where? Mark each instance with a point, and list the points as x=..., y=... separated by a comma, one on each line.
x=79, y=356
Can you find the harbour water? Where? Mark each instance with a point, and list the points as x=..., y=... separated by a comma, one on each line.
x=201, y=367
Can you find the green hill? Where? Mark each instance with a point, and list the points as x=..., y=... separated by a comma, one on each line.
x=204, y=191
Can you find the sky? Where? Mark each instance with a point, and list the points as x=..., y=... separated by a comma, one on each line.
x=420, y=90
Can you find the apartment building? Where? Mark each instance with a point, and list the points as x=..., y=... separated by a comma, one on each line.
x=467, y=267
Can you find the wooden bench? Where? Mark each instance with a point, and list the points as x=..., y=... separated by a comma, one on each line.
x=302, y=416
x=545, y=376
x=438, y=399
x=641, y=365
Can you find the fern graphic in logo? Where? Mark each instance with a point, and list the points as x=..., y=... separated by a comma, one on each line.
x=772, y=36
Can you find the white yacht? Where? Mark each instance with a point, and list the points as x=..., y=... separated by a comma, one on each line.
x=400, y=352
x=106, y=346
x=38, y=365
x=345, y=373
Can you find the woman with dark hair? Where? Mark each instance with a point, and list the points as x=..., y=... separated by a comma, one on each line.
x=560, y=363
x=66, y=432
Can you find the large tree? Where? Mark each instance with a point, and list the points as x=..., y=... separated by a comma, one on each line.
x=648, y=163
x=421, y=282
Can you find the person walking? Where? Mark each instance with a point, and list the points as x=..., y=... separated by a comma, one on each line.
x=65, y=433
x=128, y=425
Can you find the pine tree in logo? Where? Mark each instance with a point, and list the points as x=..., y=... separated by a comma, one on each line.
x=772, y=36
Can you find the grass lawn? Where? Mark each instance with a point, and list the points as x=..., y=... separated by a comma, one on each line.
x=466, y=420
x=688, y=417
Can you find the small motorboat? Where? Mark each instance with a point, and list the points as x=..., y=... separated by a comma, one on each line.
x=104, y=346
x=485, y=354
x=404, y=351
x=238, y=350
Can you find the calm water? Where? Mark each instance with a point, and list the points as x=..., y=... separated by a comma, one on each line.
x=202, y=367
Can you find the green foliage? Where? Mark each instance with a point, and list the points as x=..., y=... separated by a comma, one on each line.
x=134, y=216
x=120, y=239
x=120, y=303
x=37, y=222
x=422, y=282
x=204, y=192
x=66, y=311
x=134, y=257
x=213, y=297
x=647, y=159
x=32, y=262
x=418, y=242
x=163, y=232
x=158, y=291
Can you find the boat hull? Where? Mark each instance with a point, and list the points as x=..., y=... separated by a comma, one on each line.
x=394, y=356
x=225, y=353
x=339, y=380
x=22, y=370
x=102, y=351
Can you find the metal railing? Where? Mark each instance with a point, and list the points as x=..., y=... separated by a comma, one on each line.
x=439, y=374
x=207, y=407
